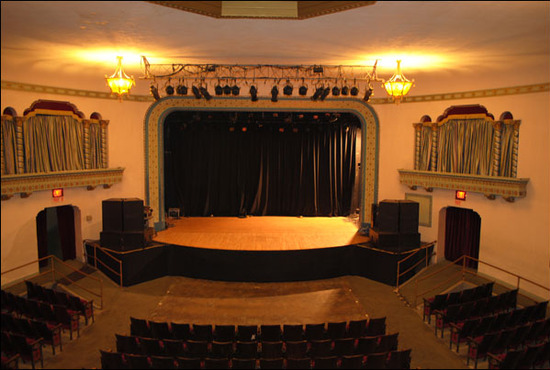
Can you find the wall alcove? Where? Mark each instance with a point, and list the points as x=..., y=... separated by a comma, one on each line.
x=154, y=141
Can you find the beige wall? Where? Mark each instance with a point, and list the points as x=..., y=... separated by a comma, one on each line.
x=514, y=236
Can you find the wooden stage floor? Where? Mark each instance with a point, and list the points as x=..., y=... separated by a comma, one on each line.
x=261, y=233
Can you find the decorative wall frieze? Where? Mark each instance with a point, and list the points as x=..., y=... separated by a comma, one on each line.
x=25, y=184
x=514, y=90
x=507, y=187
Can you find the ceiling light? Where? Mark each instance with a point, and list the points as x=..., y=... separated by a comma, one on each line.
x=398, y=85
x=120, y=83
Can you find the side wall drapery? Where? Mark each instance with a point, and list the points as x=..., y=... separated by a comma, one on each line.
x=53, y=143
x=9, y=147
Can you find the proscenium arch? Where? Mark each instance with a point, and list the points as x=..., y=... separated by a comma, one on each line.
x=154, y=140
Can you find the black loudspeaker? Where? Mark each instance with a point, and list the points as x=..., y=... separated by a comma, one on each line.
x=112, y=214
x=384, y=239
x=408, y=216
x=387, y=218
x=122, y=241
x=133, y=215
x=123, y=214
x=409, y=240
x=111, y=240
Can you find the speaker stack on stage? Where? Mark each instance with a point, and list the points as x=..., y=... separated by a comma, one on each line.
x=395, y=225
x=123, y=224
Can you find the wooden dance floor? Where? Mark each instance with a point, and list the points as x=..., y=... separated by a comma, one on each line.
x=261, y=233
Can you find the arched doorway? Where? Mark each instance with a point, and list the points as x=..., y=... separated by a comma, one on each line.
x=56, y=233
x=462, y=234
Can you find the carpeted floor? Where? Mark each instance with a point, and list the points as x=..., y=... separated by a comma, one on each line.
x=183, y=299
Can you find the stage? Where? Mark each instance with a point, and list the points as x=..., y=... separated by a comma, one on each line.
x=261, y=233
x=258, y=249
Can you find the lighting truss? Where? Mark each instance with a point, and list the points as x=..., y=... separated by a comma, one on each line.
x=316, y=76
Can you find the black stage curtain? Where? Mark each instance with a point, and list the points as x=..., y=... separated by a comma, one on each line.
x=462, y=231
x=276, y=164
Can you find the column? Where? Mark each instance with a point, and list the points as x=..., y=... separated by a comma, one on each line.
x=497, y=125
x=104, y=150
x=417, y=149
x=86, y=125
x=20, y=147
x=435, y=145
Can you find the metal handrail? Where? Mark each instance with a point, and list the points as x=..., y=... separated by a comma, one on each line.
x=53, y=259
x=119, y=273
x=465, y=270
x=424, y=247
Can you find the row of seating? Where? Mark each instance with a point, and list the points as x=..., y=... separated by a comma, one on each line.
x=495, y=343
x=482, y=307
x=34, y=329
x=225, y=333
x=256, y=349
x=537, y=355
x=54, y=296
x=387, y=360
x=44, y=311
x=442, y=301
x=28, y=349
x=529, y=319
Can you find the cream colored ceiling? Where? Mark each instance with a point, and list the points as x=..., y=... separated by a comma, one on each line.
x=445, y=46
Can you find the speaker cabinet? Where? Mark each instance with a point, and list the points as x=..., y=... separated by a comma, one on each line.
x=112, y=214
x=387, y=218
x=123, y=214
x=408, y=216
x=133, y=215
x=122, y=241
x=384, y=239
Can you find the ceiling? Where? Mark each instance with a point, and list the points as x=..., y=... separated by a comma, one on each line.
x=444, y=46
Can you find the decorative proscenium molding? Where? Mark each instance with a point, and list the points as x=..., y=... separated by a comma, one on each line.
x=25, y=184
x=507, y=187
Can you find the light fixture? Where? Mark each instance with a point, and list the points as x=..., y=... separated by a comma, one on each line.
x=398, y=85
x=224, y=79
x=204, y=92
x=253, y=93
x=181, y=89
x=120, y=83
x=368, y=94
x=155, y=92
x=57, y=193
x=274, y=93
x=169, y=90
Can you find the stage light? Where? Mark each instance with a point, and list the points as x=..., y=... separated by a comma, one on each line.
x=155, y=92
x=345, y=90
x=335, y=91
x=302, y=90
x=460, y=195
x=196, y=92
x=287, y=90
x=227, y=90
x=169, y=90
x=205, y=93
x=274, y=93
x=354, y=91
x=218, y=90
x=235, y=90
x=325, y=93
x=253, y=93
x=368, y=94
x=317, y=94
x=181, y=90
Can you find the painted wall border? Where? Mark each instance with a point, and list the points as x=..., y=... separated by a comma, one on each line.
x=154, y=140
x=485, y=93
